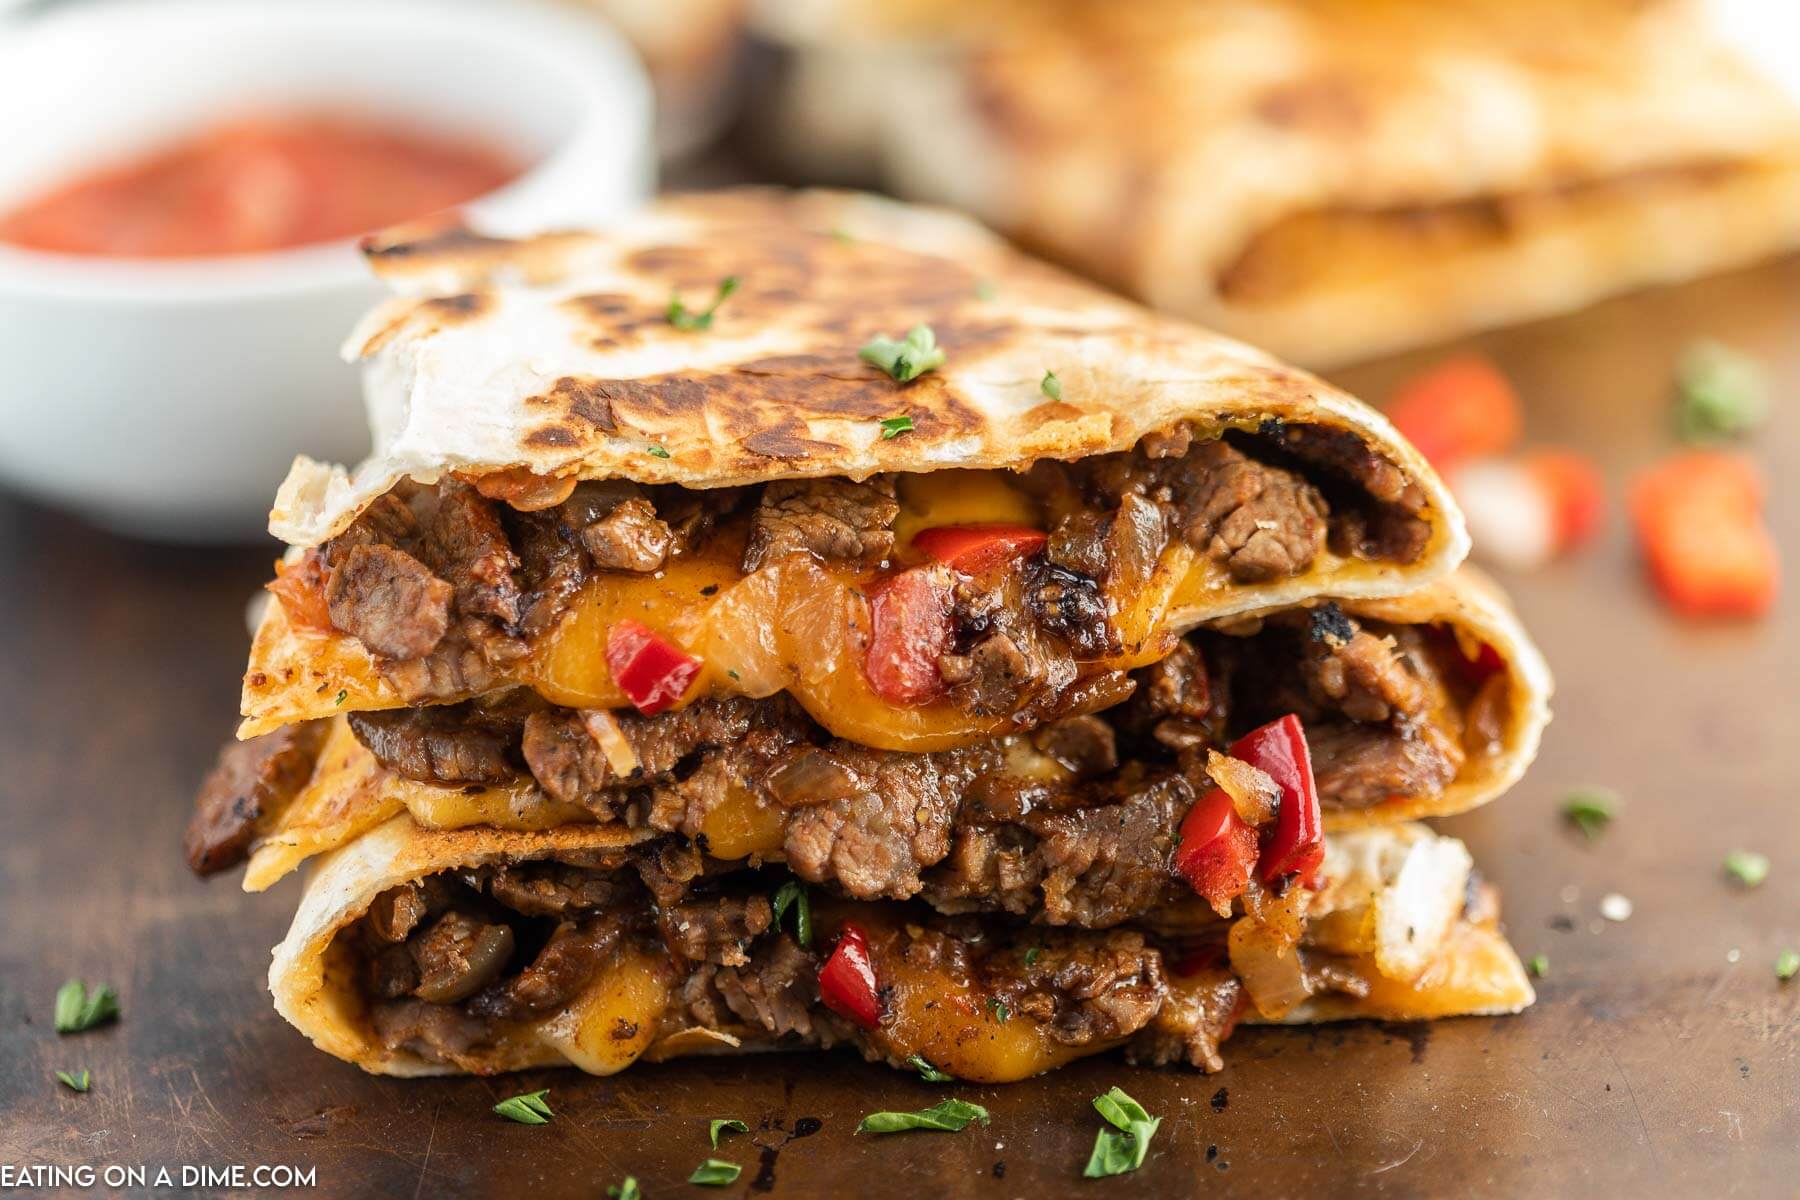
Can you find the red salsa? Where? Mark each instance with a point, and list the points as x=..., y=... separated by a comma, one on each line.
x=255, y=185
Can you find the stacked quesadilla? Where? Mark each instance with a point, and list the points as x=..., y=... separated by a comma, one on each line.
x=797, y=620
x=1330, y=179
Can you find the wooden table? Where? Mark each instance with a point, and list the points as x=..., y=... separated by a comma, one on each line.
x=1662, y=1059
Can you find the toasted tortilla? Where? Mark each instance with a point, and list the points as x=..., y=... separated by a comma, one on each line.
x=1330, y=179
x=351, y=793
x=556, y=356
x=1474, y=971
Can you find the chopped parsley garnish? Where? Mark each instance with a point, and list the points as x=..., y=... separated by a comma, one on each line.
x=342, y=696
x=908, y=358
x=1540, y=965
x=75, y=1083
x=1050, y=385
x=658, y=452
x=627, y=1190
x=793, y=894
x=1787, y=965
x=720, y=1125
x=1000, y=1011
x=927, y=1072
x=1031, y=955
x=950, y=1116
x=1719, y=393
x=1122, y=1148
x=1749, y=867
x=715, y=1172
x=842, y=235
x=732, y=671
x=1590, y=809
x=528, y=1109
x=681, y=318
x=78, y=1009
x=893, y=427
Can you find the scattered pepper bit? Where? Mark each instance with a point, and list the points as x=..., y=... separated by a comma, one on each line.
x=1461, y=409
x=1787, y=965
x=1540, y=965
x=1523, y=512
x=1590, y=809
x=1747, y=866
x=1719, y=393
x=1699, y=521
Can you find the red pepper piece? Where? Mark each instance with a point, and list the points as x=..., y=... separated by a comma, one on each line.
x=1216, y=850
x=1463, y=408
x=1279, y=750
x=909, y=618
x=651, y=671
x=973, y=549
x=1699, y=519
x=847, y=980
x=1574, y=491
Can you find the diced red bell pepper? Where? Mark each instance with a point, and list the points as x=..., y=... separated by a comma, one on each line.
x=847, y=980
x=1575, y=491
x=973, y=549
x=1461, y=409
x=651, y=670
x=1699, y=520
x=1215, y=850
x=909, y=618
x=1279, y=750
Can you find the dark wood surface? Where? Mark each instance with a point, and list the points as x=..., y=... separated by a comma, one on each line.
x=1662, y=1058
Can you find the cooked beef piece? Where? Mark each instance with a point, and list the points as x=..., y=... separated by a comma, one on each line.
x=1088, y=989
x=1070, y=607
x=875, y=840
x=691, y=514
x=1094, y=865
x=1077, y=542
x=1362, y=676
x=472, y=658
x=393, y=972
x=467, y=545
x=1178, y=704
x=667, y=867
x=776, y=992
x=397, y=912
x=629, y=538
x=1086, y=745
x=554, y=889
x=835, y=519
x=552, y=563
x=575, y=951
x=1260, y=521
x=1167, y=443
x=1485, y=723
x=1389, y=528
x=458, y=956
x=435, y=1032
x=994, y=676
x=1199, y=1013
x=252, y=779
x=388, y=600
x=1359, y=766
x=389, y=520
x=716, y=930
x=457, y=743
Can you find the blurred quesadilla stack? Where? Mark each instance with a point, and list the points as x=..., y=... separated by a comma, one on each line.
x=798, y=620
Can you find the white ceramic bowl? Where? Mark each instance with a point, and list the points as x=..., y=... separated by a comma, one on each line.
x=166, y=398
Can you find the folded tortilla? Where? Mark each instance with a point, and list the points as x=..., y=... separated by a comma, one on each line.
x=1396, y=918
x=350, y=792
x=1329, y=179
x=536, y=363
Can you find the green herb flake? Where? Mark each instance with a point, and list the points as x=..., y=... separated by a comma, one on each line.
x=1719, y=393
x=842, y=236
x=1747, y=866
x=732, y=671
x=1031, y=955
x=1050, y=385
x=720, y=1125
x=1540, y=965
x=1787, y=965
x=628, y=1190
x=927, y=1072
x=999, y=1009
x=342, y=696
x=682, y=318
x=75, y=1083
x=950, y=1116
x=793, y=894
x=893, y=427
x=908, y=358
x=985, y=290
x=715, y=1172
x=1120, y=1149
x=528, y=1109
x=1590, y=809
x=658, y=452
x=78, y=1009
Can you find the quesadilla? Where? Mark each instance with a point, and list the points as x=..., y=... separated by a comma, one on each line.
x=1330, y=179
x=580, y=487
x=1422, y=705
x=422, y=953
